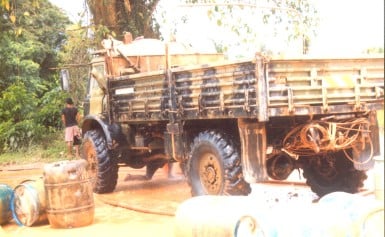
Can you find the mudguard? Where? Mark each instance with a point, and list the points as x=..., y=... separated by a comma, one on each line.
x=111, y=131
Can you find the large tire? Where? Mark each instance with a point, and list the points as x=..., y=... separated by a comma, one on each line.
x=333, y=173
x=103, y=166
x=214, y=167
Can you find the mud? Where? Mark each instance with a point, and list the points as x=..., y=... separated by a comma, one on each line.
x=146, y=208
x=135, y=208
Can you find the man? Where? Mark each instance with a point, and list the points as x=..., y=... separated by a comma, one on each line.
x=70, y=118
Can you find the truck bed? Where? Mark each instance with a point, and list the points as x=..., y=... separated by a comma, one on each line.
x=257, y=88
x=316, y=86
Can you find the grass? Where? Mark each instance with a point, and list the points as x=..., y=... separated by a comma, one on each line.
x=52, y=149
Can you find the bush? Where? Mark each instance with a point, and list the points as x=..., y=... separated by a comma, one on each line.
x=16, y=136
x=49, y=113
x=26, y=120
x=51, y=149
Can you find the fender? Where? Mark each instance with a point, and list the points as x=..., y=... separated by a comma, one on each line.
x=253, y=144
x=111, y=131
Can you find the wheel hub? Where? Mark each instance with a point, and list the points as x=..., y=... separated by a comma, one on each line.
x=210, y=174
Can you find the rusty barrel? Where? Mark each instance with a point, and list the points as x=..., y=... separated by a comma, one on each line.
x=69, y=194
x=28, y=203
x=6, y=193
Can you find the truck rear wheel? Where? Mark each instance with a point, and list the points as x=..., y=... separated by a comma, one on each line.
x=332, y=173
x=214, y=167
x=103, y=167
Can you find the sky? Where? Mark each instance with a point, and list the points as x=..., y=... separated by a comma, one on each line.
x=71, y=7
x=350, y=25
x=347, y=27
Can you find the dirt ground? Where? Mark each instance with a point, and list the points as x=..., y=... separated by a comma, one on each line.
x=148, y=208
x=138, y=208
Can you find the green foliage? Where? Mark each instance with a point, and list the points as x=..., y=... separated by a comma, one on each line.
x=17, y=103
x=30, y=100
x=75, y=57
x=26, y=119
x=51, y=149
x=140, y=21
x=18, y=128
x=17, y=64
x=113, y=17
x=242, y=26
x=49, y=112
x=375, y=50
x=16, y=136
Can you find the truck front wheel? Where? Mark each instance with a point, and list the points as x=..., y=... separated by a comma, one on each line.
x=214, y=167
x=102, y=166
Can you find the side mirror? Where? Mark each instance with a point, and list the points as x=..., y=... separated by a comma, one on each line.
x=65, y=79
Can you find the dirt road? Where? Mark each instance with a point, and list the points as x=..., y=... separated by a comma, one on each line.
x=136, y=208
x=141, y=208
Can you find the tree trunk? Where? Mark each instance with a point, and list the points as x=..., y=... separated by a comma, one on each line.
x=118, y=16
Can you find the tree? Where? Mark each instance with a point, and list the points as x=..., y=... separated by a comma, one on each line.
x=8, y=11
x=31, y=44
x=32, y=34
x=135, y=16
x=289, y=19
x=75, y=56
x=234, y=24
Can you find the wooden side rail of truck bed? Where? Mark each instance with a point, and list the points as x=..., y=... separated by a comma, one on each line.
x=233, y=89
x=318, y=86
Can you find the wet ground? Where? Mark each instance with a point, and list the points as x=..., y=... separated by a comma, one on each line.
x=141, y=208
x=147, y=208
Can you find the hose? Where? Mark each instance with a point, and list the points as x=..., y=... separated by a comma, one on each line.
x=321, y=137
x=132, y=207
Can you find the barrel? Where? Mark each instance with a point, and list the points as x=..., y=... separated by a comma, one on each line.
x=207, y=216
x=69, y=194
x=337, y=214
x=365, y=215
x=238, y=216
x=5, y=199
x=28, y=203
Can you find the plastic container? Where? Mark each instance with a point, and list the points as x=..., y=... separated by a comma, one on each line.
x=69, y=194
x=364, y=214
x=5, y=200
x=336, y=214
x=28, y=203
x=207, y=216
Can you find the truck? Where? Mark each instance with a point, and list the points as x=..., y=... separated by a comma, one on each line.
x=231, y=123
